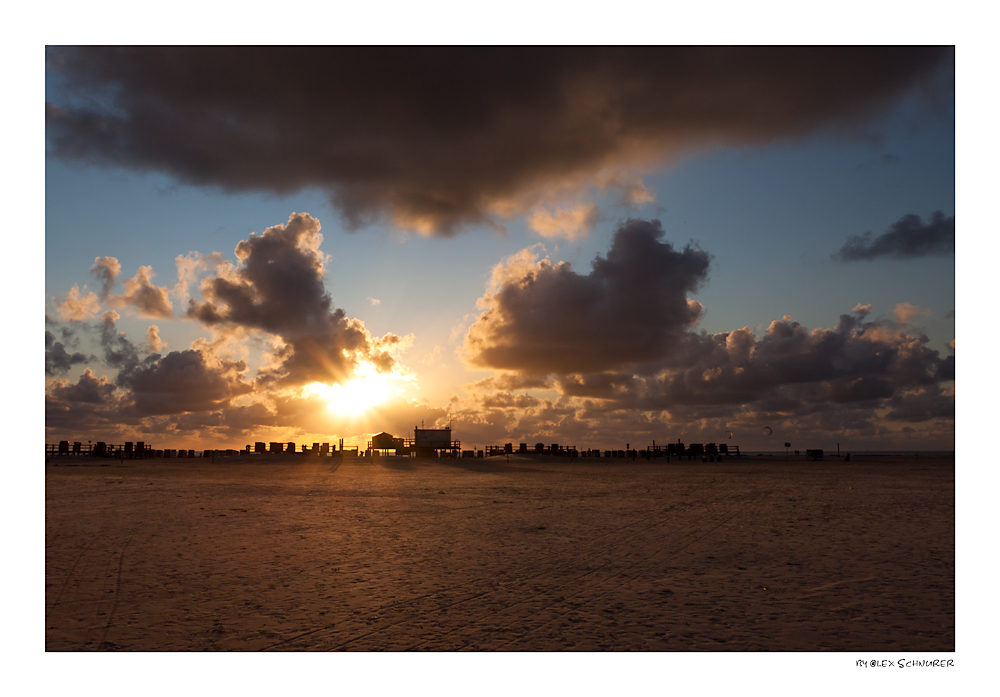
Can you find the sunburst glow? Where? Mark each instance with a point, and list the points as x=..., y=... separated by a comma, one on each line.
x=367, y=389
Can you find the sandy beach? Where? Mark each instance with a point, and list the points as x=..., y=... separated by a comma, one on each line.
x=401, y=554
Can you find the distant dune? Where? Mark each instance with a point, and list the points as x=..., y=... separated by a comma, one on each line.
x=300, y=553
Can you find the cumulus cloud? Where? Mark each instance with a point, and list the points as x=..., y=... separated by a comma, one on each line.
x=147, y=298
x=88, y=408
x=632, y=191
x=78, y=305
x=153, y=341
x=630, y=309
x=437, y=139
x=853, y=380
x=278, y=288
x=792, y=369
x=907, y=238
x=190, y=266
x=89, y=389
x=181, y=381
x=906, y=311
x=374, y=301
x=106, y=270
x=57, y=358
x=274, y=293
x=862, y=310
x=119, y=352
x=679, y=380
x=186, y=381
x=571, y=224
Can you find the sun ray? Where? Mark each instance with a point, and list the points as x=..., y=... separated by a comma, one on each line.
x=365, y=390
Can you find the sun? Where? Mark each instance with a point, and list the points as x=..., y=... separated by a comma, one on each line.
x=367, y=389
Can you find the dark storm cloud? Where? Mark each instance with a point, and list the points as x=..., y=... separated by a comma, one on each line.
x=88, y=408
x=907, y=238
x=57, y=358
x=180, y=381
x=505, y=400
x=601, y=385
x=923, y=404
x=70, y=420
x=278, y=288
x=439, y=138
x=621, y=340
x=631, y=309
x=946, y=368
x=789, y=373
x=186, y=381
x=239, y=420
x=89, y=389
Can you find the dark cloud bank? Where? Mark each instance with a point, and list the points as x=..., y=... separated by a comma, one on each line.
x=907, y=238
x=440, y=138
x=621, y=339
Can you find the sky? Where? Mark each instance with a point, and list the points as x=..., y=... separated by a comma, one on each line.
x=591, y=247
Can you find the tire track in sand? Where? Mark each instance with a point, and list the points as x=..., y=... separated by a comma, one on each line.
x=118, y=591
x=69, y=574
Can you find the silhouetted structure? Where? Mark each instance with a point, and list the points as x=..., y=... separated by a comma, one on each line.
x=426, y=442
x=430, y=442
x=384, y=442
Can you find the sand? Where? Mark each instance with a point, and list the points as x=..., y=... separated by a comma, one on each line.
x=484, y=555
